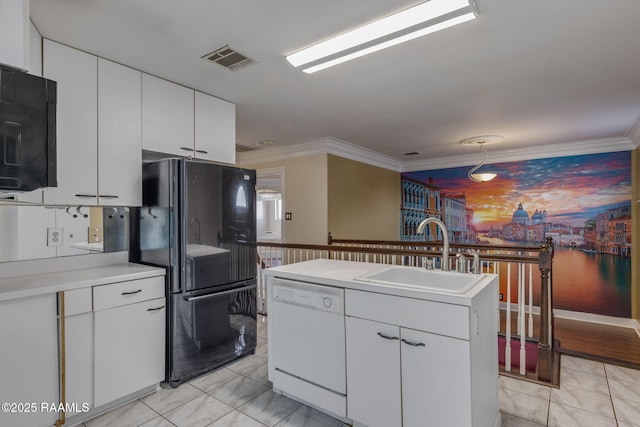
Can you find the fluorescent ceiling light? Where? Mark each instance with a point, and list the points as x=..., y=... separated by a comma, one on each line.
x=405, y=25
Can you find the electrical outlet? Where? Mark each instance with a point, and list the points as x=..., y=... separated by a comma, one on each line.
x=501, y=297
x=54, y=236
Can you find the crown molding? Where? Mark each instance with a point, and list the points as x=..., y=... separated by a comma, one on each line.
x=320, y=146
x=353, y=152
x=634, y=133
x=595, y=146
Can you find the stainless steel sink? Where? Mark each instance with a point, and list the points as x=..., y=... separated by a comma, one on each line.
x=419, y=278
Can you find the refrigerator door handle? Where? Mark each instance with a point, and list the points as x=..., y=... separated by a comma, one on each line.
x=217, y=294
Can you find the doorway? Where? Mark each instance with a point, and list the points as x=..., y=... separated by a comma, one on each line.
x=270, y=204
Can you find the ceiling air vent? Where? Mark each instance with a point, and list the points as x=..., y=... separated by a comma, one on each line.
x=229, y=58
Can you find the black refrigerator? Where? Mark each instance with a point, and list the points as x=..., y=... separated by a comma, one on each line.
x=198, y=220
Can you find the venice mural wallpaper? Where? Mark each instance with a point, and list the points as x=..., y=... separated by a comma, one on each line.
x=582, y=202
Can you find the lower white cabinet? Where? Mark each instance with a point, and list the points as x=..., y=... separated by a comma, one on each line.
x=416, y=363
x=420, y=379
x=29, y=361
x=78, y=325
x=129, y=344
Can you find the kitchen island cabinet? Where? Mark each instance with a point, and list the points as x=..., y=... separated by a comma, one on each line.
x=415, y=356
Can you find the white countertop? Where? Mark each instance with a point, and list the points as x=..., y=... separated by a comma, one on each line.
x=341, y=274
x=26, y=285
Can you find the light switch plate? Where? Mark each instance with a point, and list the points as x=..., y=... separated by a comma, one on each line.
x=54, y=236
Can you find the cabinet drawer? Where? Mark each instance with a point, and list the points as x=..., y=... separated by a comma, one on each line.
x=123, y=293
x=439, y=318
x=77, y=301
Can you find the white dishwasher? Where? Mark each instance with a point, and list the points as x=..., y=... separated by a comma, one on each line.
x=307, y=343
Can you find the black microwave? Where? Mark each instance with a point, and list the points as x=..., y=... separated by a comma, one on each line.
x=27, y=131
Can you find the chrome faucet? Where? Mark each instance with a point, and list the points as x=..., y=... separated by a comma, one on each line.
x=476, y=268
x=461, y=264
x=445, y=239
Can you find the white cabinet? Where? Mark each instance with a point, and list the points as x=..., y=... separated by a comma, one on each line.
x=14, y=33
x=429, y=363
x=99, y=129
x=78, y=322
x=178, y=120
x=167, y=117
x=119, y=135
x=129, y=338
x=29, y=360
x=215, y=129
x=76, y=73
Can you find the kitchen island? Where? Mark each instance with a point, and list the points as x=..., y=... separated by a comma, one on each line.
x=383, y=353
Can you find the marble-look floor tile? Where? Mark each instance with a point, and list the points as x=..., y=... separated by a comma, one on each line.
x=625, y=390
x=623, y=424
x=526, y=387
x=306, y=416
x=626, y=411
x=523, y=405
x=213, y=380
x=130, y=415
x=623, y=374
x=247, y=364
x=166, y=399
x=158, y=422
x=567, y=416
x=270, y=408
x=236, y=419
x=264, y=333
x=513, y=421
x=199, y=412
x=580, y=364
x=587, y=400
x=260, y=374
x=238, y=391
x=262, y=350
x=574, y=378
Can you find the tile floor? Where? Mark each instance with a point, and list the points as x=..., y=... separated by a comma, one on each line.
x=239, y=395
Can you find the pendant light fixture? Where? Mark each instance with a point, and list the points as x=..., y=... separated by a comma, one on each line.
x=481, y=140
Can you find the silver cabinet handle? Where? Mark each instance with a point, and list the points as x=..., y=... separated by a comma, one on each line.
x=186, y=148
x=155, y=309
x=87, y=195
x=202, y=151
x=132, y=292
x=387, y=337
x=415, y=344
x=107, y=196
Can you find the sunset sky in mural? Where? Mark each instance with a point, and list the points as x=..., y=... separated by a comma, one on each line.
x=571, y=189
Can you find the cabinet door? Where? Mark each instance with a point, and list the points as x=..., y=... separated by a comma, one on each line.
x=29, y=359
x=77, y=122
x=119, y=135
x=215, y=129
x=167, y=117
x=373, y=373
x=129, y=349
x=79, y=358
x=436, y=381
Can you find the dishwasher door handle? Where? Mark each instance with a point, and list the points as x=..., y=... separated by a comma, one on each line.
x=217, y=294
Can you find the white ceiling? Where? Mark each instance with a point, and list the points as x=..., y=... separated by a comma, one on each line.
x=536, y=72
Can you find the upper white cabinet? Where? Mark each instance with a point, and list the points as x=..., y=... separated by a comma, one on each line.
x=167, y=117
x=215, y=129
x=14, y=33
x=99, y=129
x=119, y=135
x=178, y=120
x=77, y=121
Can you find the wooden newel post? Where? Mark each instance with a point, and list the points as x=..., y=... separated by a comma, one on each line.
x=545, y=345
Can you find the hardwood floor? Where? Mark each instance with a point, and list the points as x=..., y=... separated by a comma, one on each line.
x=610, y=344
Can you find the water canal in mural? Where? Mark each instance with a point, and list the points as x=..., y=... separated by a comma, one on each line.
x=582, y=202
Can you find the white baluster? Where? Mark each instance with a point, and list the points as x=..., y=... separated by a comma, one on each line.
x=507, y=346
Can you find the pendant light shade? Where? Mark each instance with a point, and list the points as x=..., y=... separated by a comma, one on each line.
x=481, y=140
